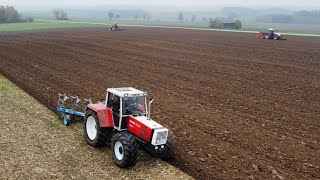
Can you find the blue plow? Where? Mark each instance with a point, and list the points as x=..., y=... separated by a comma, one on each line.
x=69, y=115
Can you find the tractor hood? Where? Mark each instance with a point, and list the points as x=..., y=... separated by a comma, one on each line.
x=148, y=130
x=149, y=123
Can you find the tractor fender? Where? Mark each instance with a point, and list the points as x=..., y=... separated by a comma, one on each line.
x=278, y=34
x=104, y=114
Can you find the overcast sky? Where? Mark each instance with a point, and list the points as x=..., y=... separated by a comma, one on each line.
x=175, y=3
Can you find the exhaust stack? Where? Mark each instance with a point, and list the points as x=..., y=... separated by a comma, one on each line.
x=149, y=109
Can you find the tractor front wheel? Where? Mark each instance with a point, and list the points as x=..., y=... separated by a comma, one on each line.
x=94, y=134
x=124, y=149
x=169, y=150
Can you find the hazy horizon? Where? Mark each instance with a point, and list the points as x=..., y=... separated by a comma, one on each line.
x=173, y=4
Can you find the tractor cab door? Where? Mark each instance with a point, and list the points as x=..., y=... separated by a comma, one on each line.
x=113, y=103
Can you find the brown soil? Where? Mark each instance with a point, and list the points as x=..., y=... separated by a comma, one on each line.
x=238, y=107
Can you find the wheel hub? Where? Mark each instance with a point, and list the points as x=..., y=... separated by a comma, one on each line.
x=91, y=127
x=118, y=150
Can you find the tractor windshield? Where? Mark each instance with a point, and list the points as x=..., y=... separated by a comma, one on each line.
x=134, y=105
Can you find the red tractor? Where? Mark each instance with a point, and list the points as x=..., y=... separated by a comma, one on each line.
x=270, y=34
x=124, y=120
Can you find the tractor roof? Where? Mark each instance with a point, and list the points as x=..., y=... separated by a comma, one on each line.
x=127, y=92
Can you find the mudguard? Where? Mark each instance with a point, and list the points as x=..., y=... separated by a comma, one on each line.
x=104, y=114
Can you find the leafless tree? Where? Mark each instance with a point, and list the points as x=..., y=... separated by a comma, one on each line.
x=180, y=17
x=60, y=14
x=136, y=17
x=118, y=17
x=110, y=15
x=193, y=18
x=145, y=16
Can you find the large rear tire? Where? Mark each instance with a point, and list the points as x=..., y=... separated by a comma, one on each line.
x=95, y=135
x=267, y=36
x=124, y=149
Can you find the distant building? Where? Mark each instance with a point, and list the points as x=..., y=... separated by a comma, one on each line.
x=229, y=25
x=225, y=25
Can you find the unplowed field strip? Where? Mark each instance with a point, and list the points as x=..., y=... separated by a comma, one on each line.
x=238, y=107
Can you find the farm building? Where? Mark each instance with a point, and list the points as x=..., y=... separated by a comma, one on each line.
x=225, y=25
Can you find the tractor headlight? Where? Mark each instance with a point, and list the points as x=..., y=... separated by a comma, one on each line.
x=159, y=136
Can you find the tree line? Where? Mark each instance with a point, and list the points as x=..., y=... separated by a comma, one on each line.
x=8, y=14
x=299, y=17
x=137, y=15
x=219, y=22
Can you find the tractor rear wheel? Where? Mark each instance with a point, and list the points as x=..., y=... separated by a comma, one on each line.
x=124, y=149
x=94, y=134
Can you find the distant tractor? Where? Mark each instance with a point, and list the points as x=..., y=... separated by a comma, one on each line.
x=270, y=34
x=122, y=120
x=115, y=27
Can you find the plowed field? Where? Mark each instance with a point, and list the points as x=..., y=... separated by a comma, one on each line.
x=238, y=107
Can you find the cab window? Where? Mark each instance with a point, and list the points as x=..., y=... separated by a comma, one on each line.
x=109, y=100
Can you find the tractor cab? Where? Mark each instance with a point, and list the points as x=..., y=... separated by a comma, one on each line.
x=126, y=102
x=270, y=34
x=271, y=31
x=114, y=27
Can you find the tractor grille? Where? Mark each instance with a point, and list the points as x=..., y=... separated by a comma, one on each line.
x=160, y=137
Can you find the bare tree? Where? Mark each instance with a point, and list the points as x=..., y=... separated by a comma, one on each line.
x=56, y=14
x=136, y=17
x=110, y=15
x=180, y=17
x=118, y=17
x=193, y=18
x=145, y=16
x=60, y=14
